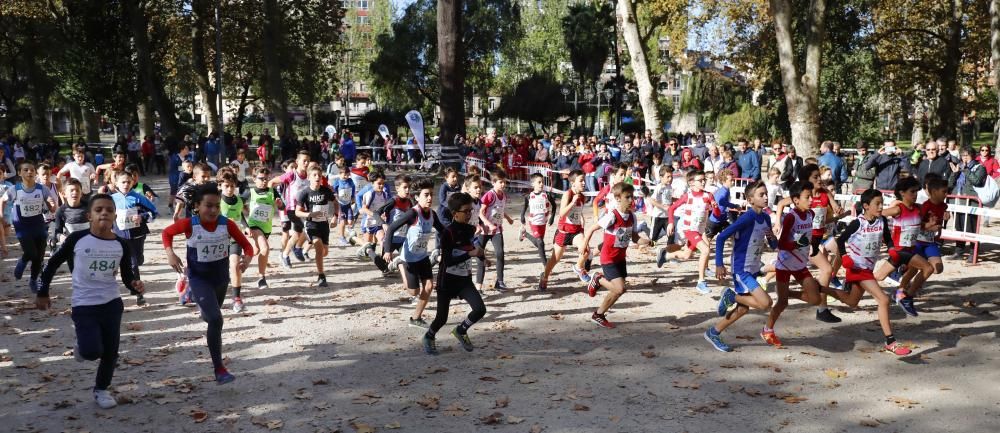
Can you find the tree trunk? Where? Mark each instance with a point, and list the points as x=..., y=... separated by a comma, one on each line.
x=241, y=110
x=951, y=63
x=917, y=135
x=640, y=65
x=91, y=126
x=450, y=55
x=201, y=20
x=38, y=91
x=147, y=119
x=801, y=88
x=274, y=86
x=995, y=50
x=150, y=79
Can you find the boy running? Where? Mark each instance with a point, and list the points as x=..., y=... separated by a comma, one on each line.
x=233, y=208
x=538, y=207
x=906, y=226
x=571, y=225
x=262, y=202
x=312, y=205
x=30, y=200
x=492, y=214
x=695, y=206
x=344, y=189
x=134, y=212
x=619, y=228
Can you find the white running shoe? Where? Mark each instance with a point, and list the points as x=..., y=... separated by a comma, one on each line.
x=104, y=399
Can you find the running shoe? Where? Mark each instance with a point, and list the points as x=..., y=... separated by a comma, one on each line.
x=595, y=281
x=419, y=323
x=299, y=255
x=542, y=284
x=716, y=340
x=262, y=283
x=703, y=287
x=463, y=339
x=305, y=253
x=770, y=338
x=19, y=269
x=894, y=278
x=223, y=376
x=522, y=234
x=762, y=282
x=661, y=256
x=286, y=262
x=140, y=300
x=430, y=346
x=906, y=303
x=501, y=287
x=827, y=316
x=321, y=281
x=104, y=399
x=238, y=305
x=601, y=320
x=344, y=242
x=897, y=348
x=435, y=257
x=710, y=272
x=836, y=284
x=727, y=300
x=582, y=274
x=33, y=285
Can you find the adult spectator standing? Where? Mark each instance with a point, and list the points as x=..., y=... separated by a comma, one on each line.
x=700, y=151
x=148, y=153
x=864, y=178
x=770, y=156
x=213, y=149
x=377, y=145
x=829, y=159
x=614, y=148
x=748, y=160
x=887, y=165
x=792, y=163
x=631, y=151
x=541, y=153
x=133, y=148
x=969, y=174
x=348, y=149
x=989, y=162
x=935, y=163
x=174, y=169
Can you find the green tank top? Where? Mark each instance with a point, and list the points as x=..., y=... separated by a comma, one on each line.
x=262, y=210
x=232, y=211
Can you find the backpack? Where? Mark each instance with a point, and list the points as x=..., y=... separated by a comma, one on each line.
x=989, y=192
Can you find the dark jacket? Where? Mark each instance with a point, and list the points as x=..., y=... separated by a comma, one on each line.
x=937, y=165
x=887, y=168
x=791, y=171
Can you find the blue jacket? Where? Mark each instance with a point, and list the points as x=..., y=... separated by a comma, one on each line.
x=829, y=159
x=348, y=150
x=749, y=163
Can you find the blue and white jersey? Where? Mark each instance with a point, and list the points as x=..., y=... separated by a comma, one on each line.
x=750, y=235
x=27, y=216
x=128, y=206
x=374, y=200
x=418, y=234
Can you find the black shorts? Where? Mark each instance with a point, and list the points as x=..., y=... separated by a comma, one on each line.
x=318, y=231
x=294, y=223
x=615, y=270
x=713, y=228
x=266, y=234
x=418, y=272
x=564, y=239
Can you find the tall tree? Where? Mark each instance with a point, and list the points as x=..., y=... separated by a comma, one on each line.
x=149, y=72
x=203, y=20
x=585, y=31
x=995, y=56
x=450, y=55
x=639, y=63
x=800, y=77
x=274, y=88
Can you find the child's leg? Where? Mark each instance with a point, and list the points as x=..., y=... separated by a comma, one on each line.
x=234, y=273
x=320, y=249
x=498, y=252
x=616, y=288
x=780, y=305
x=557, y=253
x=208, y=299
x=426, y=287
x=32, y=253
x=539, y=244
x=824, y=272
x=441, y=313
x=340, y=227
x=872, y=287
x=704, y=250
x=263, y=250
x=481, y=269
x=98, y=329
x=581, y=261
x=475, y=300
x=758, y=299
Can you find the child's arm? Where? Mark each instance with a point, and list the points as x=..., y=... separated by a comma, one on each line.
x=524, y=210
x=720, y=242
x=782, y=204
x=167, y=237
x=892, y=211
x=843, y=238
x=130, y=280
x=834, y=206
x=237, y=235
x=552, y=206
x=62, y=255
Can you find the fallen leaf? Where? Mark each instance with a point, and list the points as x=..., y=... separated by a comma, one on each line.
x=276, y=424
x=455, y=409
x=686, y=384
x=489, y=379
x=134, y=327
x=580, y=408
x=904, y=403
x=556, y=316
x=199, y=416
x=649, y=354
x=835, y=373
x=430, y=401
x=404, y=382
x=536, y=429
x=527, y=380
x=368, y=398
x=502, y=402
x=393, y=425
x=321, y=382
x=361, y=427
x=433, y=370
x=492, y=419
x=869, y=423
x=511, y=419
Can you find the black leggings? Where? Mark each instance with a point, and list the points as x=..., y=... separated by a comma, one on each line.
x=98, y=332
x=659, y=224
x=209, y=298
x=498, y=251
x=33, y=252
x=451, y=287
x=539, y=244
x=136, y=247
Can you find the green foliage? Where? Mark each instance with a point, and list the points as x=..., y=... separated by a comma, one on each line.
x=537, y=98
x=541, y=49
x=748, y=121
x=586, y=32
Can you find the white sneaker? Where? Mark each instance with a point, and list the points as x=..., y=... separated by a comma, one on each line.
x=104, y=399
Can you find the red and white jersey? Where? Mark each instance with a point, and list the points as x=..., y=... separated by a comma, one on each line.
x=539, y=208
x=496, y=206
x=819, y=205
x=906, y=226
x=864, y=245
x=795, y=224
x=618, y=231
x=573, y=221
x=927, y=210
x=694, y=209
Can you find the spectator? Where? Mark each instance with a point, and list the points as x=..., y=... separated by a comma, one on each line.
x=728, y=164
x=699, y=150
x=213, y=149
x=631, y=151
x=887, y=164
x=749, y=162
x=934, y=163
x=770, y=156
x=688, y=161
x=969, y=174
x=864, y=178
x=713, y=162
x=791, y=164
x=541, y=153
x=989, y=163
x=614, y=149
x=148, y=150
x=829, y=159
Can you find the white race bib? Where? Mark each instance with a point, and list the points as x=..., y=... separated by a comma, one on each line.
x=261, y=212
x=463, y=269
x=124, y=219
x=819, y=217
x=31, y=206
x=101, y=265
x=908, y=236
x=419, y=245
x=623, y=235
x=212, y=250
x=321, y=211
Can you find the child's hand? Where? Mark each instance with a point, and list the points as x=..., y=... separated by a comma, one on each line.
x=175, y=262
x=670, y=229
x=387, y=256
x=509, y=219
x=136, y=219
x=721, y=273
x=139, y=286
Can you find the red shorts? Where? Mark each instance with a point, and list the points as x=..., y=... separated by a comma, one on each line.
x=537, y=231
x=783, y=276
x=859, y=275
x=693, y=238
x=564, y=239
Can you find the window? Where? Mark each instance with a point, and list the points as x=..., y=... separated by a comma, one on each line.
x=361, y=87
x=677, y=80
x=347, y=3
x=493, y=104
x=363, y=4
x=677, y=102
x=362, y=20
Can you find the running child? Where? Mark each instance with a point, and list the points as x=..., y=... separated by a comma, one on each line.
x=375, y=197
x=262, y=203
x=71, y=217
x=750, y=232
x=207, y=251
x=906, y=226
x=418, y=224
x=344, y=189
x=449, y=187
x=660, y=201
x=78, y=169
x=695, y=206
x=571, y=225
x=233, y=208
x=492, y=214
x=538, y=207
x=133, y=213
x=455, y=274
x=934, y=215
x=95, y=255
x=312, y=205
x=294, y=181
x=619, y=227
x=30, y=200
x=389, y=213
x=861, y=243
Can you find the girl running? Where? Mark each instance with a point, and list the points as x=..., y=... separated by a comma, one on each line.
x=906, y=226
x=30, y=200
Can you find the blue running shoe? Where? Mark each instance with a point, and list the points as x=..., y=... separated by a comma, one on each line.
x=661, y=257
x=430, y=346
x=582, y=274
x=703, y=288
x=836, y=284
x=907, y=304
x=286, y=262
x=223, y=377
x=728, y=299
x=33, y=285
x=298, y=254
x=19, y=269
x=712, y=337
x=894, y=278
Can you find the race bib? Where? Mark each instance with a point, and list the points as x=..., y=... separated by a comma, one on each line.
x=31, y=206
x=419, y=244
x=463, y=269
x=124, y=219
x=908, y=236
x=819, y=218
x=212, y=250
x=344, y=195
x=321, y=211
x=101, y=265
x=76, y=227
x=623, y=235
x=261, y=213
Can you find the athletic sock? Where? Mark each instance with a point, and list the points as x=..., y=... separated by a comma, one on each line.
x=236, y=291
x=463, y=327
x=821, y=309
x=766, y=329
x=889, y=339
